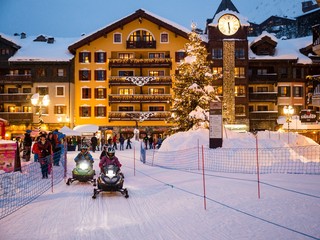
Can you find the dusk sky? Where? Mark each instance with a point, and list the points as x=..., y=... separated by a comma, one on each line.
x=71, y=18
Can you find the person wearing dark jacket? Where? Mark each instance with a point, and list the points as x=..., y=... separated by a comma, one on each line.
x=27, y=142
x=44, y=151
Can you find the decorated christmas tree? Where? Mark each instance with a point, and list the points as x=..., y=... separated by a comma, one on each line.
x=193, y=90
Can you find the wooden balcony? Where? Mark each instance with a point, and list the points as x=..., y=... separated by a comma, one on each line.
x=15, y=97
x=263, y=97
x=270, y=78
x=119, y=80
x=263, y=115
x=134, y=116
x=139, y=62
x=17, y=117
x=16, y=79
x=140, y=98
x=141, y=44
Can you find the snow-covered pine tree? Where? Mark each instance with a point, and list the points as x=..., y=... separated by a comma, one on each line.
x=192, y=89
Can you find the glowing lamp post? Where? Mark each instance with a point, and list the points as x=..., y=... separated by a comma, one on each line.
x=288, y=111
x=38, y=102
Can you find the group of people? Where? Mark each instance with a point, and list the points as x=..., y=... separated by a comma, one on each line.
x=46, y=150
x=107, y=156
x=152, y=142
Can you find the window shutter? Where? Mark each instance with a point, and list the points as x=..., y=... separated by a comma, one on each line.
x=89, y=74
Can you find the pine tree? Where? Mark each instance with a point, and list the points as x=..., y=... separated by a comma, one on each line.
x=192, y=89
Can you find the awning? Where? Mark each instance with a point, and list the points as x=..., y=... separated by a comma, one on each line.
x=69, y=132
x=86, y=128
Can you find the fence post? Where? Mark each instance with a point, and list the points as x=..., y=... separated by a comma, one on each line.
x=257, y=158
x=204, y=182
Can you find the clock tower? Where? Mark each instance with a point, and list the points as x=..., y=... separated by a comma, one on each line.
x=228, y=51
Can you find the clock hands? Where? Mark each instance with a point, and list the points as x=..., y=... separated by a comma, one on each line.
x=229, y=26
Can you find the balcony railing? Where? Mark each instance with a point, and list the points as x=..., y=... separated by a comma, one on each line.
x=269, y=78
x=16, y=79
x=15, y=97
x=263, y=97
x=133, y=116
x=140, y=98
x=263, y=115
x=120, y=80
x=141, y=44
x=140, y=62
x=17, y=117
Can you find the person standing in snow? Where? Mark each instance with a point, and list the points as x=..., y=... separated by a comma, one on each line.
x=44, y=151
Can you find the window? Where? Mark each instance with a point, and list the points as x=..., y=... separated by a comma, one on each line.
x=60, y=109
x=86, y=93
x=156, y=55
x=283, y=72
x=240, y=110
x=156, y=91
x=217, y=70
x=85, y=111
x=164, y=37
x=239, y=72
x=156, y=108
x=42, y=90
x=41, y=72
x=44, y=110
x=284, y=91
x=126, y=91
x=180, y=56
x=60, y=91
x=240, y=91
x=13, y=90
x=239, y=53
x=126, y=55
x=126, y=109
x=217, y=53
x=27, y=109
x=4, y=51
x=85, y=57
x=100, y=111
x=297, y=91
x=26, y=90
x=262, y=108
x=84, y=75
x=126, y=73
x=100, y=93
x=60, y=72
x=262, y=89
x=156, y=73
x=262, y=71
x=100, y=57
x=117, y=38
x=100, y=75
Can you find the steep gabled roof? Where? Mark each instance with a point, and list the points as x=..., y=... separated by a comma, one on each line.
x=9, y=42
x=179, y=30
x=224, y=5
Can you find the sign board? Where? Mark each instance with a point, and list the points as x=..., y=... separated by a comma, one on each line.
x=308, y=116
x=7, y=156
x=215, y=125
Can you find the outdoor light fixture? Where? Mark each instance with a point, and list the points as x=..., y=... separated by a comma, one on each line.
x=38, y=102
x=288, y=111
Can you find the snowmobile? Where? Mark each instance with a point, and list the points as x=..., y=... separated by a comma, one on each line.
x=83, y=172
x=110, y=180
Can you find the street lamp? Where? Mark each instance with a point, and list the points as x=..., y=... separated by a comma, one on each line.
x=38, y=102
x=288, y=111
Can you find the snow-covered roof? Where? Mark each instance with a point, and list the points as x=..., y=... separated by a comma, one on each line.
x=41, y=51
x=262, y=35
x=285, y=50
x=243, y=20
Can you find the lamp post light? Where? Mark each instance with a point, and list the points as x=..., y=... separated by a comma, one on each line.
x=38, y=102
x=288, y=111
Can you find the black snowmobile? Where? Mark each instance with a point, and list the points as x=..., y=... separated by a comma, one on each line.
x=83, y=172
x=111, y=180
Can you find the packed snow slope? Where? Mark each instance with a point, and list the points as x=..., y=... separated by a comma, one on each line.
x=169, y=204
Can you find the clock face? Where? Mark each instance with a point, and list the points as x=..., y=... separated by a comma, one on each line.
x=228, y=24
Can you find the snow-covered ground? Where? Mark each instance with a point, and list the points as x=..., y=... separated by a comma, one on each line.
x=169, y=204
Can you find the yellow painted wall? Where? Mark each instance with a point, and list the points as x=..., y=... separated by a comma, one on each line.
x=106, y=44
